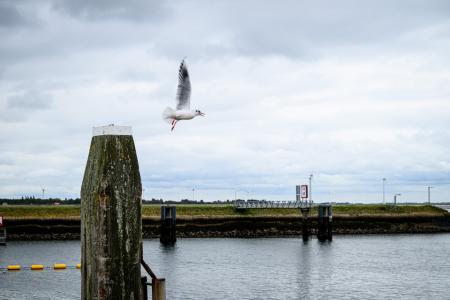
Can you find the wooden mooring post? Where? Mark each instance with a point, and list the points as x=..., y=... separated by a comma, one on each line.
x=2, y=232
x=168, y=234
x=324, y=222
x=111, y=230
x=306, y=228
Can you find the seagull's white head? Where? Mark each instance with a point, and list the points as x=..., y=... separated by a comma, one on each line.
x=199, y=113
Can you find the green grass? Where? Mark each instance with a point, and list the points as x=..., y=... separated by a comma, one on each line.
x=382, y=210
x=212, y=210
x=40, y=211
x=209, y=210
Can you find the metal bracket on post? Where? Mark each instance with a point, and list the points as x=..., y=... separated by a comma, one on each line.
x=158, y=288
x=158, y=284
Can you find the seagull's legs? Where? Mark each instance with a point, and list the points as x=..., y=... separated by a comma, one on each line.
x=174, y=122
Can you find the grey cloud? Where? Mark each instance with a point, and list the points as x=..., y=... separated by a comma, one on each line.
x=300, y=29
x=20, y=106
x=30, y=100
x=134, y=10
x=10, y=15
x=304, y=27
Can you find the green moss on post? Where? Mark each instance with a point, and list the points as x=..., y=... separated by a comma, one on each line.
x=111, y=220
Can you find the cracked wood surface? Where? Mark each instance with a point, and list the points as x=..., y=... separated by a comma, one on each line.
x=111, y=226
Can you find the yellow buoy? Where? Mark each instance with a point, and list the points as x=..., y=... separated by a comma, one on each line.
x=59, y=266
x=37, y=267
x=14, y=268
x=78, y=266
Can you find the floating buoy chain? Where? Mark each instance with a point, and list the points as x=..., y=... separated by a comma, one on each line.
x=40, y=267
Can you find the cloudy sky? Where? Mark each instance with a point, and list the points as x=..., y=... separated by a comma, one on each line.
x=351, y=91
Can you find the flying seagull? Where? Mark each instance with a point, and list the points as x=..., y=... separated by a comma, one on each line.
x=182, y=111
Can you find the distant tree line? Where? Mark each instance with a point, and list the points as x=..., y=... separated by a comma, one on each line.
x=184, y=201
x=38, y=201
x=31, y=200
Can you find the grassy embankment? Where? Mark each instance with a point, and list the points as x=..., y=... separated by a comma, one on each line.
x=213, y=210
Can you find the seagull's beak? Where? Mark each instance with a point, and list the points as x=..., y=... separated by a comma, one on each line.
x=202, y=114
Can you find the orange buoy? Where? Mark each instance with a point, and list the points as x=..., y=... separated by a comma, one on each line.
x=37, y=267
x=59, y=266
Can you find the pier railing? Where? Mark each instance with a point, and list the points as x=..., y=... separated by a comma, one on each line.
x=242, y=204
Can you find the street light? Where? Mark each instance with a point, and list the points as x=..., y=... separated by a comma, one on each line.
x=395, y=198
x=193, y=195
x=429, y=188
x=384, y=181
x=310, y=188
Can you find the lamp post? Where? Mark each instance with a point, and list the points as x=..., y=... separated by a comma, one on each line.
x=429, y=188
x=384, y=182
x=310, y=188
x=395, y=198
x=193, y=195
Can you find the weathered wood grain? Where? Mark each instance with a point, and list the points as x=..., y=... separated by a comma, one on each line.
x=111, y=223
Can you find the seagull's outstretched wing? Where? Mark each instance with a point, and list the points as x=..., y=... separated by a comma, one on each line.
x=184, y=88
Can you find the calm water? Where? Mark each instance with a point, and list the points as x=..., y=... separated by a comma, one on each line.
x=351, y=267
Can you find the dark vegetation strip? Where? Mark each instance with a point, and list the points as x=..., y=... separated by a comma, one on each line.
x=237, y=226
x=209, y=220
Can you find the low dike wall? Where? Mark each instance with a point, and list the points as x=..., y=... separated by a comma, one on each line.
x=235, y=227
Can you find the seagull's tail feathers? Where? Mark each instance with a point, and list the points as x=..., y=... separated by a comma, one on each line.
x=168, y=115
